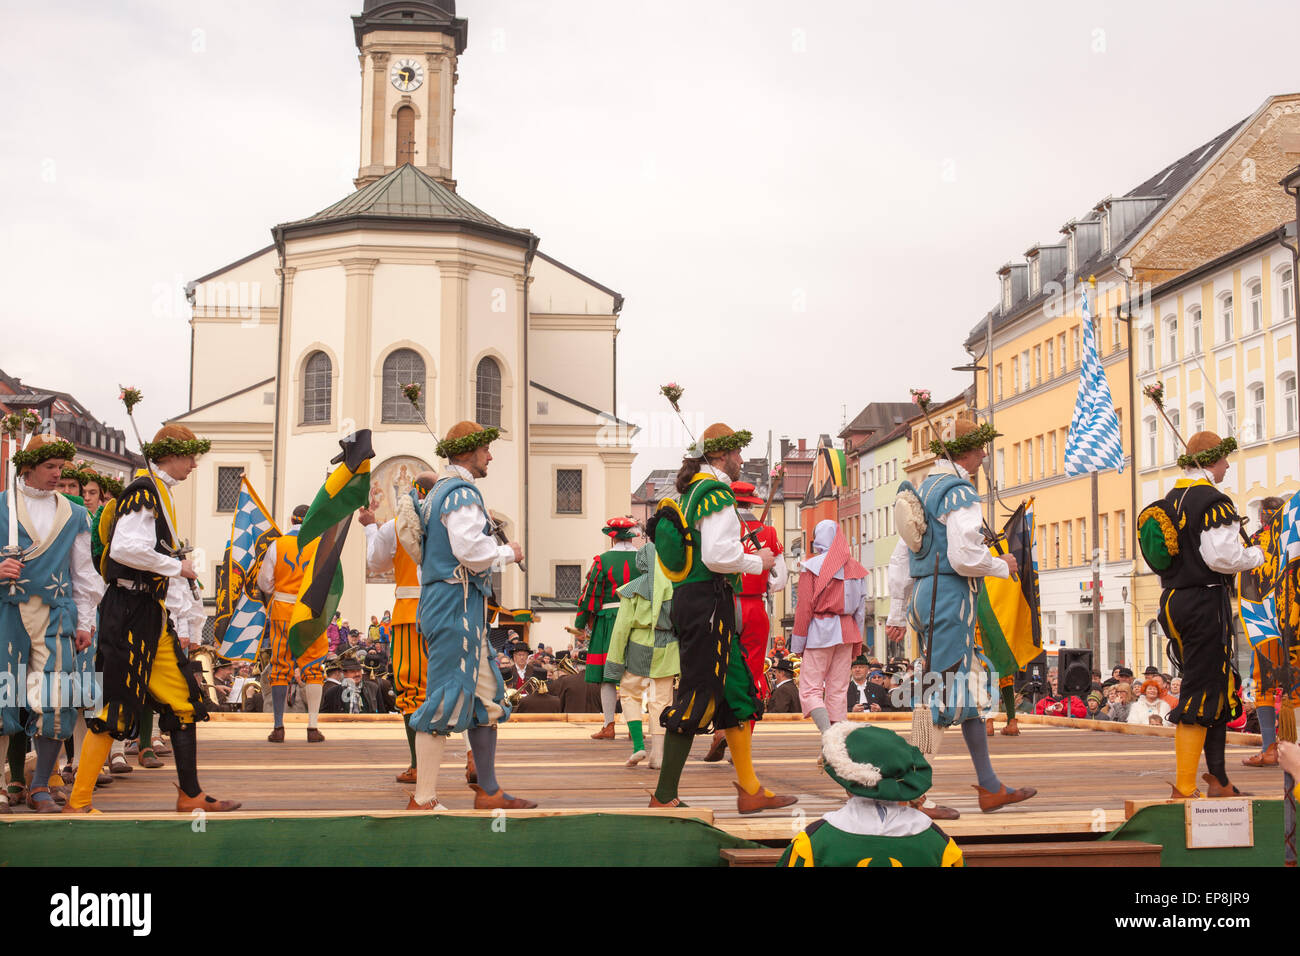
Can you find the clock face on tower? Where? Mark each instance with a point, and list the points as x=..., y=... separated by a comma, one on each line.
x=407, y=75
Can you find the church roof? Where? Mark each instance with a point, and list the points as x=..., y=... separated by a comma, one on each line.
x=424, y=16
x=408, y=197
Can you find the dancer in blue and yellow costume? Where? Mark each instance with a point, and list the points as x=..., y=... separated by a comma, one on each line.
x=453, y=535
x=944, y=573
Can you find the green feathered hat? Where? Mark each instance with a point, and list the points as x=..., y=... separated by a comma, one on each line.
x=872, y=762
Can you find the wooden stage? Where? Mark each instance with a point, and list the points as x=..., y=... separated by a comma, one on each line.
x=1083, y=776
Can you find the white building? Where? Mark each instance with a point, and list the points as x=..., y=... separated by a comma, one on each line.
x=405, y=281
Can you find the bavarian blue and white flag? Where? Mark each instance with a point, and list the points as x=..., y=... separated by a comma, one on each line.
x=241, y=616
x=1289, y=540
x=1260, y=620
x=1093, y=443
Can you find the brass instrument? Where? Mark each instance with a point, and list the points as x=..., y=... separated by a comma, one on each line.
x=205, y=655
x=568, y=665
x=796, y=660
x=531, y=686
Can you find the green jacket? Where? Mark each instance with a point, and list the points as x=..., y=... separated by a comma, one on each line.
x=643, y=641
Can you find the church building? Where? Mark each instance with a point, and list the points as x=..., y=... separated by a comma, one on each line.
x=405, y=281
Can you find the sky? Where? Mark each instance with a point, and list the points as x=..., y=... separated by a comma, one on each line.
x=804, y=204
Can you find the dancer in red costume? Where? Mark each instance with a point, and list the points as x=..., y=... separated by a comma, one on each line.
x=755, y=625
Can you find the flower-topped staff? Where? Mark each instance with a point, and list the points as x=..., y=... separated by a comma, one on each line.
x=920, y=398
x=673, y=392
x=130, y=397
x=1156, y=392
x=159, y=448
x=412, y=393
x=16, y=423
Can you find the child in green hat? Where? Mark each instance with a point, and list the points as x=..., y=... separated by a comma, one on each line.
x=883, y=774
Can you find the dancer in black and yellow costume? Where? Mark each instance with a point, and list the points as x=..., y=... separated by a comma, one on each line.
x=698, y=544
x=150, y=607
x=1195, y=533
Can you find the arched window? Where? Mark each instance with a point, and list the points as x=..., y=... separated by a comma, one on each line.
x=317, y=380
x=1287, y=286
x=1230, y=410
x=1194, y=329
x=1289, y=402
x=405, y=136
x=487, y=394
x=1225, y=311
x=1257, y=429
x=402, y=367
x=1255, y=290
x=1171, y=340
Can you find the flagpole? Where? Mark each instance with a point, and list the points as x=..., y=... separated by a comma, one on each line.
x=1096, y=575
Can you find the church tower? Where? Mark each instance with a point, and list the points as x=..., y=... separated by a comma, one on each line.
x=408, y=51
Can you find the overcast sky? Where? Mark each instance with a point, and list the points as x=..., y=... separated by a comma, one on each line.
x=804, y=203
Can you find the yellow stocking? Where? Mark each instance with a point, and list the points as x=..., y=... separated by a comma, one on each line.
x=94, y=751
x=1189, y=741
x=738, y=739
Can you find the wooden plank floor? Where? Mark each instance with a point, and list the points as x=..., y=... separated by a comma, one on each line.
x=1083, y=777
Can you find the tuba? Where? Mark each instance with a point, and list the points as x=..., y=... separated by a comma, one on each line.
x=205, y=656
x=568, y=665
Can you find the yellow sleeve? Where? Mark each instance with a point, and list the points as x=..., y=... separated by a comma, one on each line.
x=800, y=851
x=952, y=855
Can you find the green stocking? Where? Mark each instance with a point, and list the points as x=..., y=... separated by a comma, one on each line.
x=638, y=741
x=677, y=747
x=1009, y=702
x=410, y=736
x=146, y=729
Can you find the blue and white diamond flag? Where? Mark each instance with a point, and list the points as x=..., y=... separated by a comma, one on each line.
x=1093, y=443
x=241, y=617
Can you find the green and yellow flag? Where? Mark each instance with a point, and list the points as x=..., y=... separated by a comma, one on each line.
x=837, y=465
x=1008, y=608
x=345, y=490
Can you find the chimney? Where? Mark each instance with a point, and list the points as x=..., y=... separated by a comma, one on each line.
x=785, y=448
x=803, y=445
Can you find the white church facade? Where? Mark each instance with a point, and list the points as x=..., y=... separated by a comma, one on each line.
x=405, y=281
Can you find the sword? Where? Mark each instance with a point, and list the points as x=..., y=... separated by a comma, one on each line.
x=11, y=548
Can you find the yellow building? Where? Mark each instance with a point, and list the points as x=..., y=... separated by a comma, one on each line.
x=1030, y=345
x=1221, y=339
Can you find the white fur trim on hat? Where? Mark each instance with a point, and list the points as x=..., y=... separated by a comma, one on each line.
x=835, y=749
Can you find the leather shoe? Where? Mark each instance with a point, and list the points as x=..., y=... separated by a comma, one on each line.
x=1265, y=758
x=989, y=724
x=407, y=776
x=674, y=802
x=1012, y=729
x=605, y=733
x=936, y=812
x=159, y=746
x=1215, y=789
x=718, y=748
x=498, y=800
x=314, y=736
x=990, y=801
x=431, y=805
x=1176, y=794
x=132, y=748
x=103, y=779
x=471, y=771
x=117, y=765
x=88, y=808
x=149, y=759
x=276, y=736
x=41, y=806
x=203, y=802
x=763, y=800
x=636, y=758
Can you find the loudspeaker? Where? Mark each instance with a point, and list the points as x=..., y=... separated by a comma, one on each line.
x=1074, y=672
x=1036, y=670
